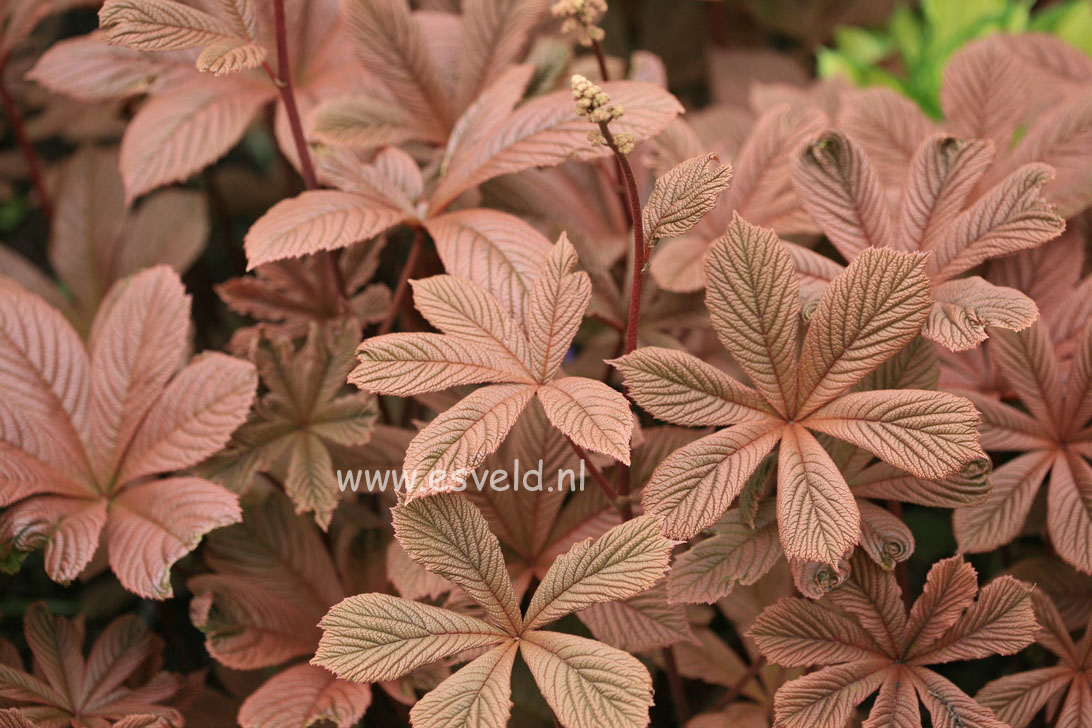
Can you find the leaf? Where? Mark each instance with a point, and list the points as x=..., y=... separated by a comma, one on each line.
x=160, y=25
x=641, y=623
x=193, y=417
x=494, y=34
x=278, y=551
x=753, y=301
x=303, y=695
x=68, y=528
x=444, y=454
x=88, y=222
x=888, y=126
x=950, y=588
x=498, y=251
x=313, y=221
x=1015, y=699
x=405, y=364
x=1069, y=510
x=798, y=632
x=88, y=70
x=827, y=697
x=555, y=307
x=479, y=694
x=309, y=478
x=1030, y=366
x=841, y=191
x=247, y=626
x=154, y=524
x=137, y=342
x=589, y=412
x=376, y=637
x=870, y=312
x=546, y=131
x=997, y=519
x=1000, y=622
x=694, y=485
x=361, y=122
x=943, y=172
x=450, y=537
x=44, y=372
x=962, y=309
x=391, y=45
x=587, y=683
x=1062, y=140
x=1010, y=217
x=177, y=134
x=884, y=537
x=930, y=434
x=682, y=196
x=230, y=56
x=466, y=311
x=677, y=387
x=950, y=707
x=984, y=94
x=816, y=512
x=735, y=554
x=623, y=562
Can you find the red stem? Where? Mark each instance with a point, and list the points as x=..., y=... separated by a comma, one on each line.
x=283, y=81
x=34, y=166
x=403, y=282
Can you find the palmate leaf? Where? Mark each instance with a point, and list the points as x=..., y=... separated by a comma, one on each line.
x=137, y=343
x=113, y=683
x=303, y=695
x=867, y=315
x=482, y=343
x=862, y=637
x=372, y=637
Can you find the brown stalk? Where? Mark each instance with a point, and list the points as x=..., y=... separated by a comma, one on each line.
x=597, y=476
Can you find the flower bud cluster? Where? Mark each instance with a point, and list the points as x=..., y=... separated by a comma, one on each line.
x=593, y=103
x=581, y=18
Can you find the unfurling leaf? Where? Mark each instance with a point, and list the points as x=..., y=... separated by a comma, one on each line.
x=682, y=196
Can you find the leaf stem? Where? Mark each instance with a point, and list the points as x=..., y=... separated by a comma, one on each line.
x=34, y=165
x=282, y=80
x=737, y=687
x=402, y=288
x=597, y=476
x=675, y=685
